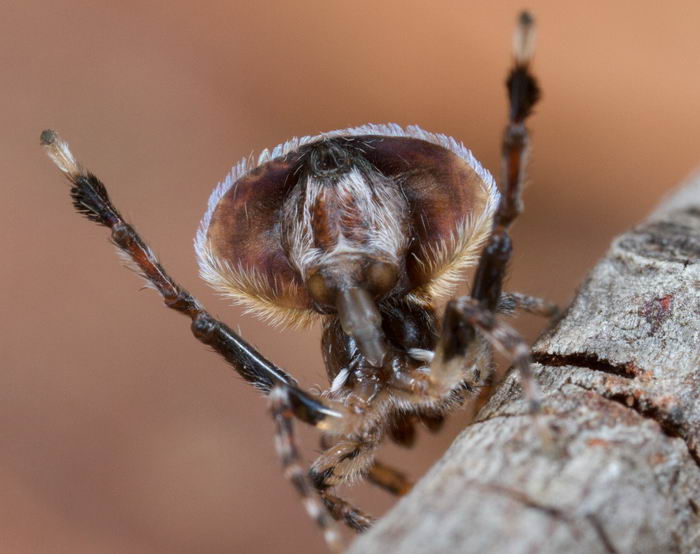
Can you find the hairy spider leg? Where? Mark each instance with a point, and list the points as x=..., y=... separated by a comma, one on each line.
x=90, y=199
x=282, y=412
x=384, y=476
x=344, y=511
x=470, y=320
x=523, y=93
x=347, y=459
x=463, y=316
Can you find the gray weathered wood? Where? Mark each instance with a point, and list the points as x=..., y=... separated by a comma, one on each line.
x=621, y=378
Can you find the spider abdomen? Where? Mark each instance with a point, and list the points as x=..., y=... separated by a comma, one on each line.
x=416, y=203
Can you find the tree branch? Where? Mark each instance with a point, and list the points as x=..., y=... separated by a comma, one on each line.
x=621, y=378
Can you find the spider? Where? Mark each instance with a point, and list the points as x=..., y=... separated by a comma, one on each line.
x=362, y=229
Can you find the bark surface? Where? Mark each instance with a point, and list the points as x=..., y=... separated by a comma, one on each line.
x=621, y=378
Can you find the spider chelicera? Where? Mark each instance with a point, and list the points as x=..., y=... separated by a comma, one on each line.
x=362, y=229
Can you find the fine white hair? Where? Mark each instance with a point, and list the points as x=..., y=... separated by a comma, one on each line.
x=447, y=258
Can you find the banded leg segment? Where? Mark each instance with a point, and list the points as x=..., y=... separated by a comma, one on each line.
x=343, y=462
x=342, y=510
x=468, y=322
x=288, y=452
x=523, y=94
x=90, y=199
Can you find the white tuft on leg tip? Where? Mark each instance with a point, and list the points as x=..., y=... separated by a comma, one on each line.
x=524, y=38
x=60, y=154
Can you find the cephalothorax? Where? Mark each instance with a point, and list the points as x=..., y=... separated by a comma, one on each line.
x=362, y=229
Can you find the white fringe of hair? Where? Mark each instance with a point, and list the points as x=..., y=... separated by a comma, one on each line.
x=447, y=259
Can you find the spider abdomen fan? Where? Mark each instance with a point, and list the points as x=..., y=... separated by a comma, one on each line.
x=415, y=201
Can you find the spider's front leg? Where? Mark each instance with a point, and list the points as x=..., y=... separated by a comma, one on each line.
x=90, y=199
x=523, y=94
x=470, y=326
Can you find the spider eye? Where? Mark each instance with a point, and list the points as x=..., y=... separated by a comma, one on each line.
x=328, y=158
x=320, y=289
x=381, y=277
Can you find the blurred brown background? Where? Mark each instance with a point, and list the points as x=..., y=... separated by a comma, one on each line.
x=118, y=431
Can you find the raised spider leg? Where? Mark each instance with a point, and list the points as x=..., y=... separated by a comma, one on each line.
x=468, y=321
x=90, y=198
x=523, y=93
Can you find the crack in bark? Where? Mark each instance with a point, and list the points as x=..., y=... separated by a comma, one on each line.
x=523, y=498
x=552, y=511
x=587, y=361
x=648, y=410
x=602, y=533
